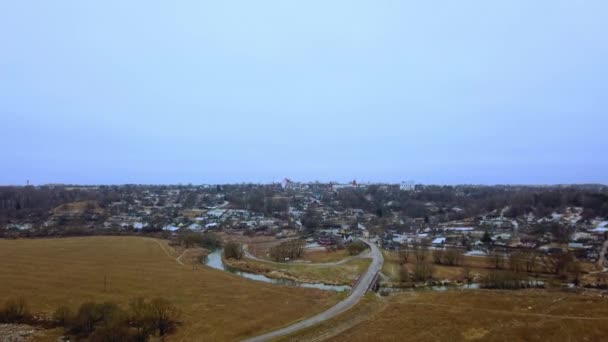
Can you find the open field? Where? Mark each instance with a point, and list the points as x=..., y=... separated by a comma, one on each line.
x=529, y=315
x=215, y=305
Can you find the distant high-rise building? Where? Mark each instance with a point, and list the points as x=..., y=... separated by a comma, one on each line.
x=407, y=186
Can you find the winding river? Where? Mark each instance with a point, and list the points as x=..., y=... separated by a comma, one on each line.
x=214, y=260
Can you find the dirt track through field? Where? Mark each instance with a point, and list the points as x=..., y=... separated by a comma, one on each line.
x=164, y=248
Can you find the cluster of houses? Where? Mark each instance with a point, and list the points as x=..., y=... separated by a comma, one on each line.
x=585, y=241
x=166, y=209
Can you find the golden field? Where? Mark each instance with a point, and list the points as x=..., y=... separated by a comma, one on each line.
x=215, y=305
x=528, y=315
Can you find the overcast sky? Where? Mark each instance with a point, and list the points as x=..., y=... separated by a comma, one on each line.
x=143, y=91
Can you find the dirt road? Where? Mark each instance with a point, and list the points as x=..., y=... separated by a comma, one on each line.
x=355, y=296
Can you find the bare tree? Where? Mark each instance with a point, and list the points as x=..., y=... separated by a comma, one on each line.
x=233, y=250
x=420, y=252
x=466, y=274
x=164, y=315
x=404, y=273
x=140, y=318
x=496, y=260
x=452, y=257
x=531, y=259
x=404, y=253
x=423, y=270
x=517, y=262
x=438, y=256
x=557, y=263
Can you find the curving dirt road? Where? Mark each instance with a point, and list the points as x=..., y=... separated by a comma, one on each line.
x=356, y=294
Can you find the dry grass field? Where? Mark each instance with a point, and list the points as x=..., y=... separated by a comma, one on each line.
x=320, y=256
x=343, y=274
x=365, y=310
x=530, y=315
x=216, y=306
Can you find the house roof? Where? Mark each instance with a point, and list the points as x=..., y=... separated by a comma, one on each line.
x=438, y=240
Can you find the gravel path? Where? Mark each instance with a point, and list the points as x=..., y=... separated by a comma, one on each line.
x=355, y=296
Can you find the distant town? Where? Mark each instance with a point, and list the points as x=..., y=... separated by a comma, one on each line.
x=378, y=243
x=478, y=220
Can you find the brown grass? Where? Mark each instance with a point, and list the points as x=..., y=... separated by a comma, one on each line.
x=216, y=305
x=320, y=256
x=479, y=267
x=366, y=309
x=343, y=274
x=77, y=208
x=529, y=315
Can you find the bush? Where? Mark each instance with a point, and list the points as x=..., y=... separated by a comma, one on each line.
x=505, y=280
x=14, y=311
x=404, y=274
x=164, y=315
x=210, y=241
x=116, y=332
x=423, y=270
x=233, y=250
x=356, y=247
x=108, y=322
x=188, y=238
x=62, y=315
x=292, y=249
x=449, y=256
x=140, y=318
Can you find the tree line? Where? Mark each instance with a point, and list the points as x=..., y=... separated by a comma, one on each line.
x=107, y=321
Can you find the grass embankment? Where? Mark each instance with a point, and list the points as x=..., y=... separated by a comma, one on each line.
x=343, y=274
x=216, y=305
x=528, y=315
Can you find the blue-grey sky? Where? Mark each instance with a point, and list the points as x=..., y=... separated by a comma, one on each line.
x=142, y=91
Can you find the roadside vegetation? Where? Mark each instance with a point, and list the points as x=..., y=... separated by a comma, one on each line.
x=356, y=247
